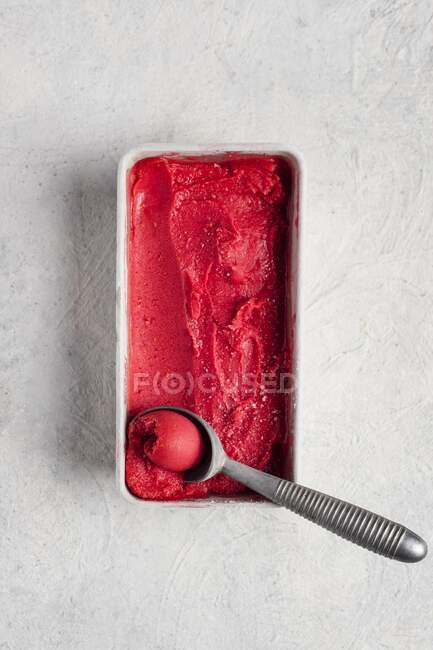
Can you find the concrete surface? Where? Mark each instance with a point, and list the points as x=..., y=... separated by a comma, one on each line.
x=350, y=85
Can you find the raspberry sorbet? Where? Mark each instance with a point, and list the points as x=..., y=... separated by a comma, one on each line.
x=170, y=440
x=208, y=310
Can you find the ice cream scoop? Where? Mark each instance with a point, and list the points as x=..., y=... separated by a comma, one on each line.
x=355, y=524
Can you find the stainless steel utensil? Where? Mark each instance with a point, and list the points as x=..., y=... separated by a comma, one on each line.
x=357, y=525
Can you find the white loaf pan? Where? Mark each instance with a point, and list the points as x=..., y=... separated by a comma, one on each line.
x=294, y=297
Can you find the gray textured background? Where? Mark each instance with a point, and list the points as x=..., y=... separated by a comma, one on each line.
x=350, y=85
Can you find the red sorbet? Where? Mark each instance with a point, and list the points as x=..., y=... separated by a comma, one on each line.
x=170, y=440
x=207, y=276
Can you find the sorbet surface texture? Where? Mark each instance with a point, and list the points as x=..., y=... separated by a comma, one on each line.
x=208, y=309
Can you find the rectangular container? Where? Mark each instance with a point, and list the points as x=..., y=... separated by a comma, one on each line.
x=125, y=164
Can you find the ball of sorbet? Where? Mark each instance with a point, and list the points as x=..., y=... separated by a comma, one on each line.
x=171, y=440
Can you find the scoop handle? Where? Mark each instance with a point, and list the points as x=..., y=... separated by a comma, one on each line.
x=362, y=527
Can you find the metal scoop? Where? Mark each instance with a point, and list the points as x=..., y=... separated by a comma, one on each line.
x=357, y=525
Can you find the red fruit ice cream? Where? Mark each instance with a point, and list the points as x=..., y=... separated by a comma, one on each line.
x=208, y=310
x=170, y=440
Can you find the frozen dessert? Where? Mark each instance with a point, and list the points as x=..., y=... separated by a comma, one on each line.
x=170, y=440
x=209, y=320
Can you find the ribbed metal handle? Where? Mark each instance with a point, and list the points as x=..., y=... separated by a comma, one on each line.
x=357, y=525
x=351, y=522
